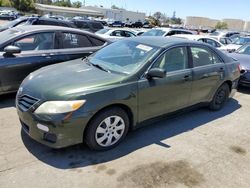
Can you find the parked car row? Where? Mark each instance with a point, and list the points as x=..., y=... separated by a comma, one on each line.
x=84, y=87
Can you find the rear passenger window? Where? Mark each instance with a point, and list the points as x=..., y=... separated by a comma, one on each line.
x=72, y=40
x=97, y=42
x=171, y=33
x=173, y=60
x=202, y=57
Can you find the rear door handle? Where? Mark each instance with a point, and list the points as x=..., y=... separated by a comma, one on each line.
x=221, y=69
x=205, y=76
x=186, y=77
x=46, y=56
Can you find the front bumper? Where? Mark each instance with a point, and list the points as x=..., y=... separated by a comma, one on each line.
x=60, y=133
x=234, y=88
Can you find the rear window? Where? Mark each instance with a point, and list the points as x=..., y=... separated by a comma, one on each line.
x=97, y=42
x=102, y=31
x=154, y=32
x=72, y=40
x=96, y=25
x=81, y=24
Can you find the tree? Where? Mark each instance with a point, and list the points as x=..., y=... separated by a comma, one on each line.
x=114, y=7
x=26, y=5
x=157, y=15
x=5, y=3
x=77, y=4
x=176, y=21
x=47, y=2
x=221, y=25
x=23, y=5
x=158, y=18
x=153, y=21
x=62, y=3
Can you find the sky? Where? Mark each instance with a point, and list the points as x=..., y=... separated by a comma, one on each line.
x=216, y=9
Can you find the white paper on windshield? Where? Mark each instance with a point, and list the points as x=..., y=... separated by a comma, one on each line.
x=144, y=47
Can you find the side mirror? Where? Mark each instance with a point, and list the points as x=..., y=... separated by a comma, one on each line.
x=156, y=73
x=10, y=50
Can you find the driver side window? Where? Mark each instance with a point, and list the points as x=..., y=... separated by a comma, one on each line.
x=173, y=60
x=40, y=41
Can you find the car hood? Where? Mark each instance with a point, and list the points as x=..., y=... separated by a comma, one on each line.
x=243, y=59
x=67, y=81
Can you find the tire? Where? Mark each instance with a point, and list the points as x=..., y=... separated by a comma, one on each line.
x=107, y=129
x=220, y=97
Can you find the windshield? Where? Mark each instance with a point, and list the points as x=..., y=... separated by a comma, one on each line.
x=241, y=41
x=124, y=56
x=245, y=49
x=12, y=23
x=102, y=31
x=8, y=34
x=154, y=32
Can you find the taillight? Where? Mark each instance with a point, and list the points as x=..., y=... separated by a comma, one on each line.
x=239, y=67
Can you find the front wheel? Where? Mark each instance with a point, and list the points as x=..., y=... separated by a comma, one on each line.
x=107, y=129
x=220, y=97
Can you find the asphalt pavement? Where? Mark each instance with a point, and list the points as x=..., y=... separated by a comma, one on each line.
x=196, y=149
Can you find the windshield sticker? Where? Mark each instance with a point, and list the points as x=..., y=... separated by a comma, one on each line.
x=144, y=47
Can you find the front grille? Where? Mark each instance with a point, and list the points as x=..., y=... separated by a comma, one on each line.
x=25, y=102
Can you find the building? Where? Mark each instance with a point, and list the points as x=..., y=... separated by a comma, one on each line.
x=200, y=22
x=235, y=24
x=43, y=9
x=119, y=14
x=203, y=22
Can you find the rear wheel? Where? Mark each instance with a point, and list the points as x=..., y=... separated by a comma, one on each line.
x=107, y=129
x=220, y=97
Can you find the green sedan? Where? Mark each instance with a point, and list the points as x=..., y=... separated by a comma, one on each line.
x=97, y=100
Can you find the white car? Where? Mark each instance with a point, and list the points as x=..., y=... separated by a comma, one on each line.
x=115, y=34
x=202, y=38
x=237, y=43
x=165, y=31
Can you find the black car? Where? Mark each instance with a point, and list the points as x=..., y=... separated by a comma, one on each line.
x=243, y=56
x=137, y=24
x=34, y=20
x=8, y=16
x=116, y=24
x=49, y=21
x=27, y=48
x=88, y=25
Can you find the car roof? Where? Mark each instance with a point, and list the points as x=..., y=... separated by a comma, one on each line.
x=194, y=37
x=31, y=28
x=34, y=28
x=167, y=29
x=160, y=42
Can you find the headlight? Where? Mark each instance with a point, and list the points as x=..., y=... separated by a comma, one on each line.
x=57, y=107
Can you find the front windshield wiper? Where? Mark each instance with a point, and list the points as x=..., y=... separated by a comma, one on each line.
x=99, y=67
x=95, y=65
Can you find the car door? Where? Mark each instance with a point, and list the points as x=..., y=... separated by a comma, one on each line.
x=208, y=72
x=159, y=96
x=75, y=45
x=37, y=50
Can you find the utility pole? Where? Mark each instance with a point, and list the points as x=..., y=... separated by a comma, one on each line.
x=84, y=3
